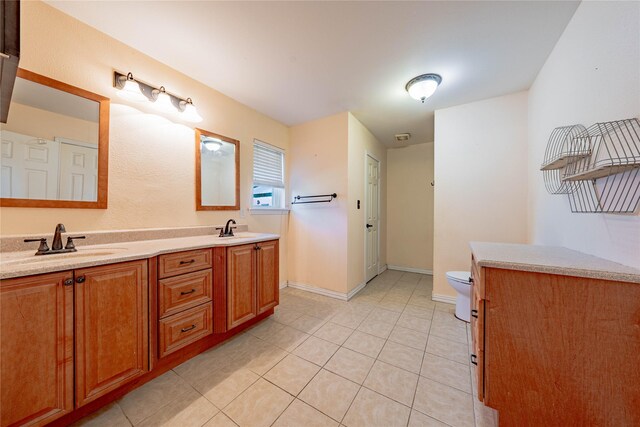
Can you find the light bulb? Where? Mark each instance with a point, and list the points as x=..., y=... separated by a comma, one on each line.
x=131, y=90
x=163, y=102
x=422, y=87
x=190, y=113
x=212, y=145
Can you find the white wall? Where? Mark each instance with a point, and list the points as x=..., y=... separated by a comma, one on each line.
x=480, y=180
x=410, y=207
x=592, y=75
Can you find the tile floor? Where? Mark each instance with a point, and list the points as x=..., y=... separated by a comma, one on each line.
x=389, y=357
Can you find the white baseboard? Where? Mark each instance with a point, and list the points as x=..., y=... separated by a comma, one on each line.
x=283, y=285
x=355, y=290
x=320, y=291
x=410, y=269
x=382, y=269
x=443, y=298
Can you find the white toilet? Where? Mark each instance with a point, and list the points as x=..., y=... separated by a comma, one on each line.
x=460, y=282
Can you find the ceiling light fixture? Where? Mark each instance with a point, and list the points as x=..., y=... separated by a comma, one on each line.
x=422, y=87
x=135, y=90
x=212, y=144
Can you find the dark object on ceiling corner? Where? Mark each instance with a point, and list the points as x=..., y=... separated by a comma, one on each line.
x=9, y=52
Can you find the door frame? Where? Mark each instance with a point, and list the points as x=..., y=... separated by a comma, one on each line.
x=367, y=154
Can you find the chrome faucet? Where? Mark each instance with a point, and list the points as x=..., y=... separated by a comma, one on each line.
x=227, y=230
x=56, y=244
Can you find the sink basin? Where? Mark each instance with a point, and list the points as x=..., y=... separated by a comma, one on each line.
x=241, y=235
x=32, y=259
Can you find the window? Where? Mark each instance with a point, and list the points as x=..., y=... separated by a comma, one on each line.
x=268, y=176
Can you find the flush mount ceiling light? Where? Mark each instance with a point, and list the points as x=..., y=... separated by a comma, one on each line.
x=135, y=90
x=212, y=144
x=422, y=87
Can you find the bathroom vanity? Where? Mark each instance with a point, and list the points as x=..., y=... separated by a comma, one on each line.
x=555, y=335
x=81, y=330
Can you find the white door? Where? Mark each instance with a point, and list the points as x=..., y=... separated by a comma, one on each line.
x=78, y=172
x=372, y=209
x=29, y=167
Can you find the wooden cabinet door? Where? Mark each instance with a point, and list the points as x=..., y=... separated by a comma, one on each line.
x=241, y=284
x=268, y=282
x=36, y=349
x=111, y=323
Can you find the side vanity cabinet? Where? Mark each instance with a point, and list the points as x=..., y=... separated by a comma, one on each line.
x=38, y=371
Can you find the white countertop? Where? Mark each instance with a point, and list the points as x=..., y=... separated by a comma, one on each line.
x=25, y=263
x=552, y=260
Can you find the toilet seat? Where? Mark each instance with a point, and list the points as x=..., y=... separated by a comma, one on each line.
x=459, y=276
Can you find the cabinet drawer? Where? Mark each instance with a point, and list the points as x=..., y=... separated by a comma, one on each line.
x=183, y=262
x=185, y=291
x=184, y=328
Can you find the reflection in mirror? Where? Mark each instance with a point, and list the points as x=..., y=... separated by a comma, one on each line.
x=217, y=172
x=54, y=145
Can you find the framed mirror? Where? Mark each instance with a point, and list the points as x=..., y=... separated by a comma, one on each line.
x=55, y=146
x=217, y=172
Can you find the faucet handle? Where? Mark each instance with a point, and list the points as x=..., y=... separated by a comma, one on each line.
x=43, y=245
x=70, y=239
x=221, y=231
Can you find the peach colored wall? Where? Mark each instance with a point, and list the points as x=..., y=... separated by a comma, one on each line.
x=318, y=231
x=410, y=207
x=480, y=180
x=361, y=141
x=151, y=169
x=45, y=124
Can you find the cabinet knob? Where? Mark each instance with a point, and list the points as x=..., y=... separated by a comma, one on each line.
x=474, y=359
x=470, y=279
x=80, y=279
x=474, y=313
x=68, y=282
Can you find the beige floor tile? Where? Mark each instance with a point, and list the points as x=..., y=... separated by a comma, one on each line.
x=444, y=403
x=419, y=419
x=407, y=358
x=308, y=324
x=221, y=387
x=220, y=420
x=266, y=358
x=381, y=315
x=154, y=395
x=350, y=320
x=265, y=329
x=443, y=306
x=286, y=316
x=421, y=312
x=109, y=416
x=408, y=337
x=350, y=364
x=364, y=343
x=446, y=372
x=451, y=350
x=292, y=374
x=330, y=394
x=414, y=323
x=288, y=338
x=334, y=333
x=379, y=329
x=316, y=350
x=299, y=414
x=423, y=301
x=258, y=406
x=410, y=278
x=370, y=409
x=192, y=410
x=448, y=332
x=484, y=416
x=391, y=305
x=392, y=382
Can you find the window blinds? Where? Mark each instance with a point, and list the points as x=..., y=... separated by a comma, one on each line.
x=268, y=165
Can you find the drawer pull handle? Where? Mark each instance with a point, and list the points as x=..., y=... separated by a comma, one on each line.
x=187, y=292
x=188, y=329
x=474, y=313
x=474, y=359
x=191, y=261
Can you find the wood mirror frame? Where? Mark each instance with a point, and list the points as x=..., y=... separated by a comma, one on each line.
x=199, y=206
x=103, y=149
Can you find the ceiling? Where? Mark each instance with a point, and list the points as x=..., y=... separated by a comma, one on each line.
x=299, y=61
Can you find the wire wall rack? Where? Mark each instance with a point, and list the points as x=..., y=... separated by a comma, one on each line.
x=320, y=198
x=597, y=167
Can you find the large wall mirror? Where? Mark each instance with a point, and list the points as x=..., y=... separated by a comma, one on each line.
x=55, y=146
x=217, y=172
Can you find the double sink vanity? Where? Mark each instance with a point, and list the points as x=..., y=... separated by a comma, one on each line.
x=82, y=329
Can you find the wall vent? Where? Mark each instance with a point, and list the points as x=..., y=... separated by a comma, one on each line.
x=402, y=137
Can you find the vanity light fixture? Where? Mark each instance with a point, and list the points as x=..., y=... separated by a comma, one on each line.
x=212, y=144
x=134, y=90
x=423, y=86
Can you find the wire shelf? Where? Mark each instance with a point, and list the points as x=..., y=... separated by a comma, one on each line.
x=561, y=151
